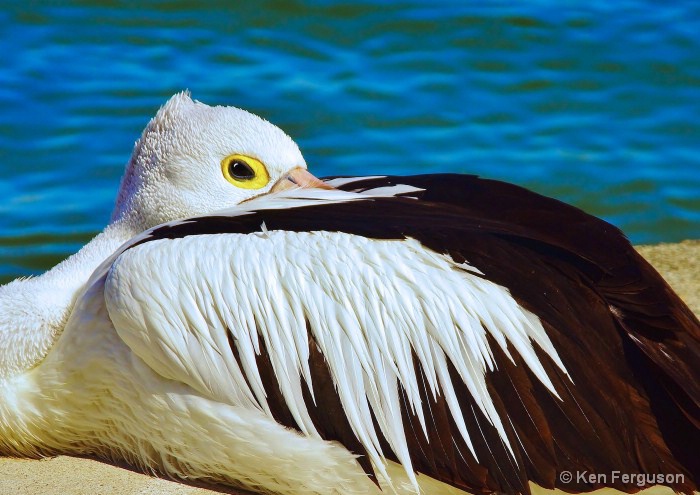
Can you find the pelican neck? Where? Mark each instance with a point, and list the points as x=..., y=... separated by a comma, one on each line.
x=33, y=311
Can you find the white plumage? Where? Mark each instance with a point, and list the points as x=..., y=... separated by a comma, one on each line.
x=369, y=304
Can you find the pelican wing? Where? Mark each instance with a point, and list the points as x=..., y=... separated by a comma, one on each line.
x=475, y=344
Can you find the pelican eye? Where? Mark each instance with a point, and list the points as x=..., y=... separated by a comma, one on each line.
x=240, y=170
x=245, y=171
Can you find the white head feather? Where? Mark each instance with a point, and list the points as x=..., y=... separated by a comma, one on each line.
x=175, y=169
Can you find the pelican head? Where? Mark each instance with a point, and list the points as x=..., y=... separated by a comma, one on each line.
x=193, y=159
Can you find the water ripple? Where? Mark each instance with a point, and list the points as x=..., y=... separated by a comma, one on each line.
x=595, y=103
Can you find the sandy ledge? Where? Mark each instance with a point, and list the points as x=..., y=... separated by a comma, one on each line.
x=678, y=263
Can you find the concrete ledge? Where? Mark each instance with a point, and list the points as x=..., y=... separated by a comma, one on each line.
x=679, y=264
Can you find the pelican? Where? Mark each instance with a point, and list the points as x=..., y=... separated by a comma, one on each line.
x=241, y=322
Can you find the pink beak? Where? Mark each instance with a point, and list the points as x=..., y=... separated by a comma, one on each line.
x=298, y=177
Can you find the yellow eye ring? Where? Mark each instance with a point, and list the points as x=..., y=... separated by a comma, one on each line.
x=245, y=172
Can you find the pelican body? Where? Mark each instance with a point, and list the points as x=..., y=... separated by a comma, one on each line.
x=242, y=322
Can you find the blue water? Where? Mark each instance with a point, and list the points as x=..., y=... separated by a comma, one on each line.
x=593, y=102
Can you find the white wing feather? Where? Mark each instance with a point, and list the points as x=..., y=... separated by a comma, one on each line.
x=370, y=305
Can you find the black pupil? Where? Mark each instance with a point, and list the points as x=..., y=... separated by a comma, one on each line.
x=240, y=170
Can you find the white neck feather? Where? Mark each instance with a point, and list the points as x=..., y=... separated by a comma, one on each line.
x=34, y=311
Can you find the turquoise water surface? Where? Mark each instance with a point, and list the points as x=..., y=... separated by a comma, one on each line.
x=593, y=102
